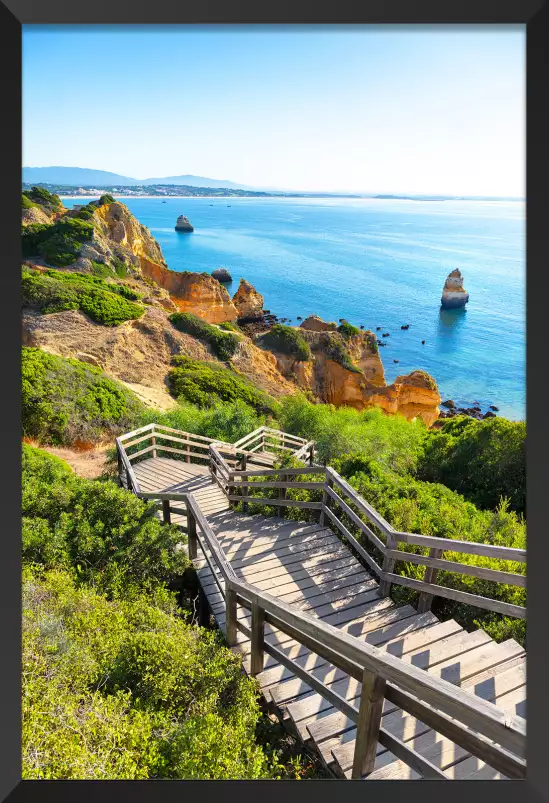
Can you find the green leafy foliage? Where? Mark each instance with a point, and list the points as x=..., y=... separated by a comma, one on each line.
x=287, y=340
x=54, y=291
x=204, y=383
x=223, y=344
x=102, y=533
x=226, y=421
x=42, y=197
x=64, y=400
x=230, y=326
x=483, y=460
x=106, y=199
x=58, y=243
x=348, y=330
x=27, y=203
x=392, y=440
x=126, y=689
x=337, y=352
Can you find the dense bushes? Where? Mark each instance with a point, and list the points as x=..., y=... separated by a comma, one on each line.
x=203, y=383
x=483, y=460
x=54, y=291
x=347, y=329
x=64, y=400
x=223, y=344
x=392, y=440
x=287, y=340
x=42, y=197
x=107, y=536
x=226, y=421
x=117, y=684
x=58, y=243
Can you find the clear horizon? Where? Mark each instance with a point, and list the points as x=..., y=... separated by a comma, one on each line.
x=434, y=110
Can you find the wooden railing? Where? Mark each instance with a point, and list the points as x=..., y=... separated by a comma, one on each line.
x=341, y=501
x=480, y=727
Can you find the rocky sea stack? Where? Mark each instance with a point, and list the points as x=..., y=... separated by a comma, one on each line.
x=183, y=224
x=222, y=275
x=453, y=293
x=248, y=302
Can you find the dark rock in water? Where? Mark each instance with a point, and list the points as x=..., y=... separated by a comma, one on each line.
x=453, y=294
x=449, y=403
x=222, y=275
x=489, y=414
x=493, y=407
x=183, y=224
x=395, y=360
x=386, y=334
x=405, y=327
x=378, y=328
x=423, y=342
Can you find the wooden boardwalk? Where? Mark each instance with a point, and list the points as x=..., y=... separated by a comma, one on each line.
x=308, y=567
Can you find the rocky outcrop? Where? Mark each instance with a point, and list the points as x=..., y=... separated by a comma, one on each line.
x=195, y=292
x=248, y=302
x=348, y=371
x=222, y=275
x=35, y=214
x=453, y=294
x=183, y=224
x=124, y=238
x=316, y=324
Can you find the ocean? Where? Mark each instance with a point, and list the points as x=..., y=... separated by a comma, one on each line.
x=377, y=263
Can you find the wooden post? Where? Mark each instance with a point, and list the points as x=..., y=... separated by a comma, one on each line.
x=230, y=615
x=244, y=487
x=191, y=534
x=281, y=495
x=388, y=566
x=258, y=637
x=312, y=454
x=166, y=515
x=153, y=439
x=426, y=600
x=188, y=449
x=325, y=500
x=120, y=466
x=368, y=724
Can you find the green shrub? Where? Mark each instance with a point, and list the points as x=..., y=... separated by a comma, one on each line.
x=337, y=352
x=54, y=291
x=58, y=243
x=96, y=529
x=483, y=460
x=393, y=441
x=27, y=203
x=348, y=330
x=230, y=326
x=106, y=199
x=124, y=689
x=287, y=340
x=43, y=197
x=64, y=400
x=203, y=383
x=226, y=421
x=223, y=344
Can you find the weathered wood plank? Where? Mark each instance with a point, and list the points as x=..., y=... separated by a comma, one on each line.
x=509, y=578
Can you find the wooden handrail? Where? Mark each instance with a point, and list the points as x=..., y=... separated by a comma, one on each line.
x=480, y=727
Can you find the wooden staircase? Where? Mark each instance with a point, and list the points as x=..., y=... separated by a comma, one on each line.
x=343, y=666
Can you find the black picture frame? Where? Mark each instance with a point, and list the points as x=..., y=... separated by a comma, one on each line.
x=533, y=14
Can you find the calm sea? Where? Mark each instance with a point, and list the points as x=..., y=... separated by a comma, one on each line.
x=377, y=263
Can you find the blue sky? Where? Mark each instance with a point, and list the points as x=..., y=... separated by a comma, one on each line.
x=428, y=109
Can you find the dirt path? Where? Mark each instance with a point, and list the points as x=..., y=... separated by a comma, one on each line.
x=89, y=464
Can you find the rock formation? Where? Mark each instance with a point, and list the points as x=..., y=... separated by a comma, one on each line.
x=35, y=214
x=453, y=293
x=348, y=371
x=183, y=224
x=195, y=292
x=125, y=238
x=248, y=302
x=316, y=324
x=222, y=275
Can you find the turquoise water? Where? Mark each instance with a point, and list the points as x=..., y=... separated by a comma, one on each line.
x=378, y=263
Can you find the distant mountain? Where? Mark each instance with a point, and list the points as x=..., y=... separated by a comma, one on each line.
x=84, y=177
x=74, y=176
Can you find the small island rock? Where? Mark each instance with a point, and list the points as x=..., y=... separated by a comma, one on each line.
x=248, y=302
x=222, y=275
x=183, y=224
x=453, y=293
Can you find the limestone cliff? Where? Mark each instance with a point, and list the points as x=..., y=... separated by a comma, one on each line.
x=316, y=324
x=453, y=293
x=124, y=232
x=348, y=371
x=248, y=302
x=195, y=292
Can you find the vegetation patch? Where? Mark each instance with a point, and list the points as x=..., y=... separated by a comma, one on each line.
x=337, y=352
x=58, y=243
x=483, y=460
x=64, y=400
x=223, y=344
x=40, y=197
x=348, y=330
x=105, y=303
x=203, y=383
x=287, y=340
x=107, y=198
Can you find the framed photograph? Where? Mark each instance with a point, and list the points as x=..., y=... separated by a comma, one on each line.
x=272, y=360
